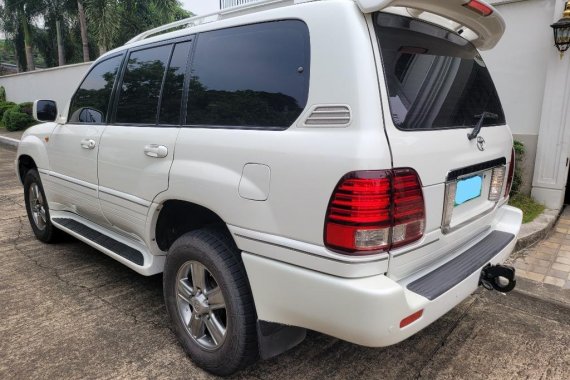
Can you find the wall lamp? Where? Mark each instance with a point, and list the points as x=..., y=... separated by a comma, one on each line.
x=562, y=31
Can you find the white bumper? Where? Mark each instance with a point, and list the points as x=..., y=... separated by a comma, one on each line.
x=365, y=311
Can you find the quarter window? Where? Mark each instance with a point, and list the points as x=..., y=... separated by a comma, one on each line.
x=253, y=76
x=142, y=82
x=90, y=103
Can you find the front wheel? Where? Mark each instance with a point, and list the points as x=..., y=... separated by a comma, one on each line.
x=37, y=208
x=209, y=301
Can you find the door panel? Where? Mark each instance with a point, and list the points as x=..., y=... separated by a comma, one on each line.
x=72, y=185
x=444, y=119
x=73, y=147
x=136, y=152
x=129, y=179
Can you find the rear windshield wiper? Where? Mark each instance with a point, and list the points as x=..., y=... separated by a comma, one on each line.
x=482, y=117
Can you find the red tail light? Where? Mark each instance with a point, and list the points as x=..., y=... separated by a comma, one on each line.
x=511, y=173
x=479, y=7
x=373, y=211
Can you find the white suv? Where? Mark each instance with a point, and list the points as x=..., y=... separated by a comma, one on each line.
x=342, y=166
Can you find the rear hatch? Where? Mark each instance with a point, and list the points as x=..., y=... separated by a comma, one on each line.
x=438, y=89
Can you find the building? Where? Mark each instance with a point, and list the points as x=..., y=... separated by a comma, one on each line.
x=533, y=81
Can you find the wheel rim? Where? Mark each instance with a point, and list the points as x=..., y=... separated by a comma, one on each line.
x=201, y=305
x=37, y=206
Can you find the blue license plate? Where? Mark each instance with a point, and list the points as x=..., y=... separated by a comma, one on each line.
x=468, y=189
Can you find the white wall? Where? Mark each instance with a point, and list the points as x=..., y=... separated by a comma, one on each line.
x=58, y=83
x=518, y=63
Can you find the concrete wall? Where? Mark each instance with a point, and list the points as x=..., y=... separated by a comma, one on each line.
x=58, y=83
x=518, y=66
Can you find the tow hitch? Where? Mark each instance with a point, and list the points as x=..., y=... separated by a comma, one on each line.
x=498, y=277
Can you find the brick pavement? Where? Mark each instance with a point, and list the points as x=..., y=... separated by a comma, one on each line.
x=549, y=261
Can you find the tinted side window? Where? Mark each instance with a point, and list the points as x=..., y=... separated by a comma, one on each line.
x=253, y=76
x=140, y=89
x=91, y=101
x=174, y=85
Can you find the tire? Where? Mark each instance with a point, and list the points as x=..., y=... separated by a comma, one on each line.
x=38, y=209
x=201, y=266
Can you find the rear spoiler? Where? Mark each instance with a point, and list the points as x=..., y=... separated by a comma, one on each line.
x=476, y=15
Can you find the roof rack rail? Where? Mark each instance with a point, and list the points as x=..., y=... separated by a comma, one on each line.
x=228, y=7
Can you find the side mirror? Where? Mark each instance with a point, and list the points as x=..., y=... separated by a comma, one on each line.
x=45, y=110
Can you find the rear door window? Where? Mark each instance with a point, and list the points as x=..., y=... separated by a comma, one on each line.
x=253, y=76
x=141, y=85
x=436, y=79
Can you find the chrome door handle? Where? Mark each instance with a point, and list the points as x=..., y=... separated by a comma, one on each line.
x=88, y=144
x=156, y=151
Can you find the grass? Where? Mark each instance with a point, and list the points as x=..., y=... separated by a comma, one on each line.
x=529, y=207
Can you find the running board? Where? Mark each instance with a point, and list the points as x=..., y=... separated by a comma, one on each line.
x=130, y=253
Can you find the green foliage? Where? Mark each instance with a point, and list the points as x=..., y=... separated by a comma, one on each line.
x=14, y=120
x=5, y=106
x=27, y=108
x=530, y=208
x=517, y=177
x=2, y=94
x=519, y=148
x=110, y=23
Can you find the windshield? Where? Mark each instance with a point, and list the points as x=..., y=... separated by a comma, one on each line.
x=436, y=79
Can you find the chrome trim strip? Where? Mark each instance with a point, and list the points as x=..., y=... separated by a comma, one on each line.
x=127, y=197
x=445, y=228
x=414, y=248
x=308, y=253
x=72, y=180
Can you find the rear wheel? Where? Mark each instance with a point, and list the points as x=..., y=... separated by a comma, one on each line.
x=37, y=208
x=210, y=304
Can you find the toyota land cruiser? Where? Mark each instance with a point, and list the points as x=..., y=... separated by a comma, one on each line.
x=337, y=165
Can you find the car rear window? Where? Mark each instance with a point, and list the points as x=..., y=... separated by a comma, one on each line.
x=436, y=79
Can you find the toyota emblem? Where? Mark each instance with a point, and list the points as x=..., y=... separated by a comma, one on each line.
x=481, y=143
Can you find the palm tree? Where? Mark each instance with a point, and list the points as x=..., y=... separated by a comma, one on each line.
x=104, y=20
x=115, y=22
x=83, y=26
x=23, y=11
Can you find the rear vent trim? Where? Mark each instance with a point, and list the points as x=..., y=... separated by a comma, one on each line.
x=330, y=115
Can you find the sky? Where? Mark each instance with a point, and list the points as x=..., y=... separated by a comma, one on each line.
x=201, y=7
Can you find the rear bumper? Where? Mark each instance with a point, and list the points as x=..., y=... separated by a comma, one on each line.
x=365, y=311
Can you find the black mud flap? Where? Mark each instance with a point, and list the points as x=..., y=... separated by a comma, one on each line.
x=275, y=338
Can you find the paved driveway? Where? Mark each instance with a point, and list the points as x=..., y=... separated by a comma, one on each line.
x=68, y=311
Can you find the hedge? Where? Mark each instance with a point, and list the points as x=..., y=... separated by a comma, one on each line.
x=14, y=120
x=5, y=106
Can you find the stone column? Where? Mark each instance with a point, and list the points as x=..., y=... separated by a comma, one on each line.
x=552, y=156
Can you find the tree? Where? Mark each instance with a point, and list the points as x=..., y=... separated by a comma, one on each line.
x=115, y=22
x=83, y=26
x=24, y=11
x=103, y=18
x=64, y=31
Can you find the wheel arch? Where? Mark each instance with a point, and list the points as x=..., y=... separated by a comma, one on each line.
x=25, y=164
x=32, y=150
x=175, y=217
